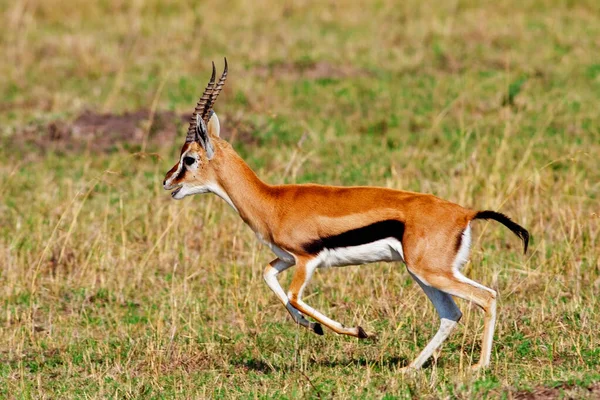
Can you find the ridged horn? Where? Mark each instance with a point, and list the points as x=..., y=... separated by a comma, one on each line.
x=201, y=106
x=215, y=93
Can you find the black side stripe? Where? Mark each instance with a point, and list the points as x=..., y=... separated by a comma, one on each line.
x=356, y=237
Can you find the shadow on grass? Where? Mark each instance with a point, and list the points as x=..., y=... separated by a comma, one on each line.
x=363, y=362
x=261, y=366
x=258, y=365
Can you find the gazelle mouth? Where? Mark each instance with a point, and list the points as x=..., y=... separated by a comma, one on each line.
x=174, y=192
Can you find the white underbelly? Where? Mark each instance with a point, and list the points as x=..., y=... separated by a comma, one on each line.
x=389, y=249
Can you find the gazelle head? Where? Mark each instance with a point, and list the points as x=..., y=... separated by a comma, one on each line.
x=193, y=173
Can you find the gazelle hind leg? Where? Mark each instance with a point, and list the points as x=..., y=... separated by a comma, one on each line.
x=460, y=286
x=449, y=317
x=304, y=270
x=270, y=275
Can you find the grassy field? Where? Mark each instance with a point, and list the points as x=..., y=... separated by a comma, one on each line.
x=108, y=288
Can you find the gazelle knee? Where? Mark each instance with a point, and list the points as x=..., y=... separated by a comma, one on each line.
x=294, y=299
x=491, y=303
x=456, y=316
x=447, y=326
x=268, y=273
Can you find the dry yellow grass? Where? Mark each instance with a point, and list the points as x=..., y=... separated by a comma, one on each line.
x=109, y=288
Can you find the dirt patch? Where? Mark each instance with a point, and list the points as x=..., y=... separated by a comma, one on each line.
x=560, y=392
x=309, y=70
x=100, y=132
x=103, y=132
x=539, y=393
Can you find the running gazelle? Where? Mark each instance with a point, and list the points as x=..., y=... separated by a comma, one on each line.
x=311, y=226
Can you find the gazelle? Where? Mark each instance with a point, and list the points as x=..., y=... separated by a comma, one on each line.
x=312, y=226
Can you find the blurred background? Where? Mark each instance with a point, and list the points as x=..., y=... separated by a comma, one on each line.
x=110, y=288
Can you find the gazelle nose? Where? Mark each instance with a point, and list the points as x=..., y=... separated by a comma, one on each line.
x=164, y=182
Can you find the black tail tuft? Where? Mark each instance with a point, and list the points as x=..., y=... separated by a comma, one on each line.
x=509, y=223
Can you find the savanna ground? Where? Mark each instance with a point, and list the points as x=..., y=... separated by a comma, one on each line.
x=108, y=288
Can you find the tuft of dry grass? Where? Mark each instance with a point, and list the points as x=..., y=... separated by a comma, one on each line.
x=110, y=288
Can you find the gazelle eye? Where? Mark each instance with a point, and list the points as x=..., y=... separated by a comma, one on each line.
x=189, y=160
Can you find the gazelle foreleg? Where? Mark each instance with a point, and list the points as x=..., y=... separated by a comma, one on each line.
x=302, y=275
x=270, y=274
x=449, y=317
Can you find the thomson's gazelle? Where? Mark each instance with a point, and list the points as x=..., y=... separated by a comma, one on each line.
x=311, y=226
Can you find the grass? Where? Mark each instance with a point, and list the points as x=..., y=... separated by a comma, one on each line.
x=108, y=288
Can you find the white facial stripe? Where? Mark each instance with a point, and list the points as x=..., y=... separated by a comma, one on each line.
x=169, y=181
x=175, y=174
x=182, y=164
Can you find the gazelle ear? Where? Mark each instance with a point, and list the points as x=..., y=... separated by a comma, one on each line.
x=214, y=128
x=203, y=137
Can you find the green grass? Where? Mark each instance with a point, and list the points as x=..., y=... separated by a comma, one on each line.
x=108, y=288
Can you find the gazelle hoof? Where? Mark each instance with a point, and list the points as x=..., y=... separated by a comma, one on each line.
x=362, y=334
x=316, y=328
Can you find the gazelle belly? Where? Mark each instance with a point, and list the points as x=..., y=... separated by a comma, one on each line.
x=389, y=249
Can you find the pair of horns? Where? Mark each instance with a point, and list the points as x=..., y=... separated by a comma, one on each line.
x=206, y=102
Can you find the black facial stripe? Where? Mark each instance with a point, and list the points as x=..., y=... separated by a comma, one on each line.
x=356, y=237
x=180, y=175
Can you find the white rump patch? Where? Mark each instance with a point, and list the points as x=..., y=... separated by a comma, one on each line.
x=389, y=249
x=463, y=252
x=462, y=257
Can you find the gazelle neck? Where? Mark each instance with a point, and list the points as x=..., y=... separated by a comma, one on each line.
x=243, y=189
